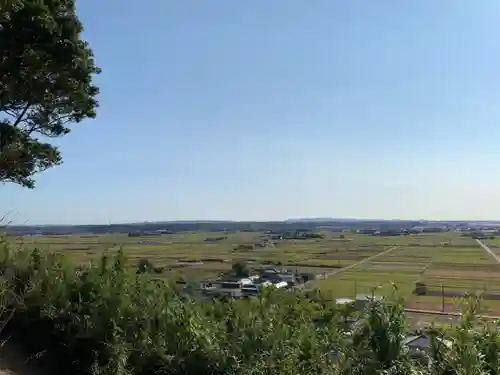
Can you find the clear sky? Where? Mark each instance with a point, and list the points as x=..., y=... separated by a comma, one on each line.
x=270, y=109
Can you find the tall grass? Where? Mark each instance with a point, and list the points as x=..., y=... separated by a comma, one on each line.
x=104, y=319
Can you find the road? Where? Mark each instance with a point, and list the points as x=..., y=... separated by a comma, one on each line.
x=351, y=266
x=489, y=251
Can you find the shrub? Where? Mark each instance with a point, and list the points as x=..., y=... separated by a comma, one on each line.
x=105, y=319
x=144, y=266
x=420, y=289
x=240, y=269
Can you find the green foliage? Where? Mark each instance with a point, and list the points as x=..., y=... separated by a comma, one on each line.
x=104, y=318
x=46, y=75
x=240, y=269
x=144, y=266
x=378, y=338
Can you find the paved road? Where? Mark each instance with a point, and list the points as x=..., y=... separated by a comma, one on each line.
x=444, y=313
x=488, y=250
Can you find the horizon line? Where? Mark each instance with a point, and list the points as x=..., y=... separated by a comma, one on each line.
x=320, y=219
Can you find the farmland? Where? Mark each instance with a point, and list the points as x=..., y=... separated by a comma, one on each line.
x=447, y=263
x=195, y=255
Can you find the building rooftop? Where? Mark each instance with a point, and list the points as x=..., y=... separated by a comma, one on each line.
x=366, y=297
x=344, y=301
x=423, y=341
x=234, y=280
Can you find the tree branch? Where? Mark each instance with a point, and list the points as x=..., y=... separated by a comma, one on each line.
x=36, y=127
x=23, y=113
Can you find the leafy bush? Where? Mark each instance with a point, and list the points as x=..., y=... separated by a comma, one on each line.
x=240, y=269
x=105, y=319
x=144, y=266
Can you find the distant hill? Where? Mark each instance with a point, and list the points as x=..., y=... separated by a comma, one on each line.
x=231, y=226
x=311, y=220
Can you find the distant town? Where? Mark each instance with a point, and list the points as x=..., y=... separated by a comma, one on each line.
x=289, y=228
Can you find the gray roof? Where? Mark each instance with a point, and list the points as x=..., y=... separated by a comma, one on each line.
x=418, y=342
x=423, y=341
x=367, y=297
x=343, y=301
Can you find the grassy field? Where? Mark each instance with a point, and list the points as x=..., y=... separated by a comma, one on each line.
x=445, y=261
x=173, y=251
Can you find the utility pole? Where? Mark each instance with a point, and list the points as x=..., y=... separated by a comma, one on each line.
x=442, y=298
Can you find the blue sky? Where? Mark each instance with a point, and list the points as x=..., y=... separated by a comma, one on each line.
x=262, y=110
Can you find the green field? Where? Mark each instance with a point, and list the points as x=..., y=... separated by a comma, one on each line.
x=444, y=261
x=316, y=255
x=493, y=244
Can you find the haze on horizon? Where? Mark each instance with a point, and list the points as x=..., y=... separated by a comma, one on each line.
x=255, y=110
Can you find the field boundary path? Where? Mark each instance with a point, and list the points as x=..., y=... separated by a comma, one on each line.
x=351, y=266
x=366, y=260
x=488, y=250
x=446, y=313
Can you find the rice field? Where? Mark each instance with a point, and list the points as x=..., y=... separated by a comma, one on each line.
x=445, y=262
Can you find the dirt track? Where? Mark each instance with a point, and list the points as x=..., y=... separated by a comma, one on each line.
x=333, y=273
x=489, y=251
x=336, y=272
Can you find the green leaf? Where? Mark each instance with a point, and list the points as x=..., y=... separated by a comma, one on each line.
x=46, y=74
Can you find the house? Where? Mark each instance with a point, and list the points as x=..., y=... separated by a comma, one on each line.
x=363, y=299
x=280, y=284
x=250, y=290
x=270, y=271
x=262, y=283
x=254, y=289
x=344, y=301
x=388, y=233
x=204, y=285
x=232, y=283
x=289, y=278
x=366, y=231
x=274, y=275
x=417, y=342
x=422, y=342
x=230, y=287
x=273, y=278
